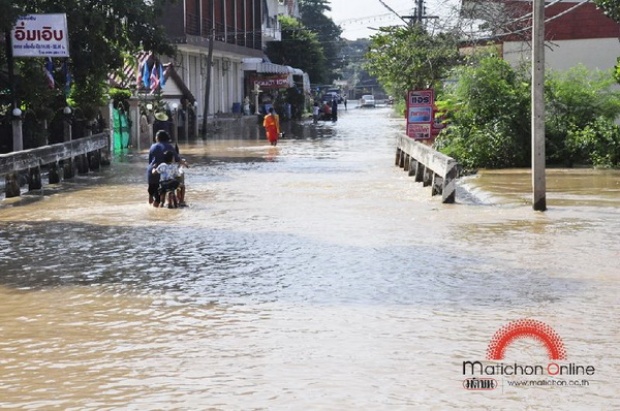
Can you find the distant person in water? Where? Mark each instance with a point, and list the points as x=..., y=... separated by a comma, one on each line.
x=315, y=112
x=271, y=123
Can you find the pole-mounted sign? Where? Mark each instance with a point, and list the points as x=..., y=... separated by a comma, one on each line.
x=420, y=114
x=40, y=35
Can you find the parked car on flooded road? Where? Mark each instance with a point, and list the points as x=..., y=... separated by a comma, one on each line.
x=330, y=96
x=367, y=100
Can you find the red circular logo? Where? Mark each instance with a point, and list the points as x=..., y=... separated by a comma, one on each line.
x=526, y=328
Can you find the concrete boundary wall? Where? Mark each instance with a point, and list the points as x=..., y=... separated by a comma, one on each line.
x=428, y=166
x=61, y=159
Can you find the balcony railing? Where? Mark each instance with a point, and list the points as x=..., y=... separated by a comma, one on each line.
x=223, y=33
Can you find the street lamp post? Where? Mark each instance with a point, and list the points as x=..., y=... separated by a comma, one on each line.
x=18, y=137
x=68, y=169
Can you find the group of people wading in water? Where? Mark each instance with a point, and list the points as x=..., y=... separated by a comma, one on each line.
x=165, y=173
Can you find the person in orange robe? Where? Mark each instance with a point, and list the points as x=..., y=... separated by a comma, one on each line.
x=272, y=126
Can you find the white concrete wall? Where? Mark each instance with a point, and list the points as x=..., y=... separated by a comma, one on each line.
x=226, y=85
x=561, y=55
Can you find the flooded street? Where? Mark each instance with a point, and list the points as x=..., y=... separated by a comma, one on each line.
x=314, y=275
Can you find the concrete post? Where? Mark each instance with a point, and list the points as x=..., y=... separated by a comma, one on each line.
x=18, y=137
x=108, y=117
x=54, y=173
x=195, y=119
x=134, y=117
x=175, y=123
x=67, y=136
x=34, y=179
x=539, y=202
x=69, y=172
x=11, y=188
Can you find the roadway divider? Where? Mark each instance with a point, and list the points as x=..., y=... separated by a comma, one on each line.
x=428, y=166
x=83, y=154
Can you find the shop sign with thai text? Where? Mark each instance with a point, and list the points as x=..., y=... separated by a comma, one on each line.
x=272, y=81
x=40, y=35
x=420, y=114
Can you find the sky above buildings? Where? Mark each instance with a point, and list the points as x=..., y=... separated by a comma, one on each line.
x=358, y=18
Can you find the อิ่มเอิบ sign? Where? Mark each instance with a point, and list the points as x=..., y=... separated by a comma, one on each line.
x=40, y=35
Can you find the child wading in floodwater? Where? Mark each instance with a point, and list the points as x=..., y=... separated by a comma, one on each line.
x=181, y=179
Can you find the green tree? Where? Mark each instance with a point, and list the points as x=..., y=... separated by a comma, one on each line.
x=408, y=58
x=299, y=48
x=101, y=33
x=328, y=33
x=9, y=11
x=487, y=110
x=611, y=8
x=576, y=99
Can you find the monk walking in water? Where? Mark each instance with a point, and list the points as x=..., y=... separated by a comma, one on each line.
x=272, y=126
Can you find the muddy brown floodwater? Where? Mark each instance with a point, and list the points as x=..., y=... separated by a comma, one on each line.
x=311, y=276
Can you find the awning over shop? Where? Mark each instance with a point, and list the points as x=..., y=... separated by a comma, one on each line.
x=260, y=66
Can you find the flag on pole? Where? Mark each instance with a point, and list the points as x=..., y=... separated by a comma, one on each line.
x=143, y=69
x=145, y=74
x=154, y=78
x=49, y=72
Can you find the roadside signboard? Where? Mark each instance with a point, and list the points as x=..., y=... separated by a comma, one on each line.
x=40, y=35
x=271, y=81
x=419, y=131
x=420, y=114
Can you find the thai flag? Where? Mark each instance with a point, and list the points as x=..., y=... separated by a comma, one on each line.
x=154, y=78
x=49, y=72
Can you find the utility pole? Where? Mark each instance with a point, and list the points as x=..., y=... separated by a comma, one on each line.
x=419, y=14
x=538, y=106
x=208, y=85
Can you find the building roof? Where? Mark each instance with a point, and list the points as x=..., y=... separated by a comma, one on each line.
x=564, y=20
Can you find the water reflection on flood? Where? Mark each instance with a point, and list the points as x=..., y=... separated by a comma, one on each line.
x=312, y=275
x=565, y=187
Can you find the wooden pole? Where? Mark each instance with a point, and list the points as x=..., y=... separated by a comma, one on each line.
x=539, y=202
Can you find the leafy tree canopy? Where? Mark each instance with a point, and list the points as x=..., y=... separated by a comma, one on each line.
x=299, y=48
x=328, y=33
x=101, y=34
x=408, y=58
x=611, y=8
